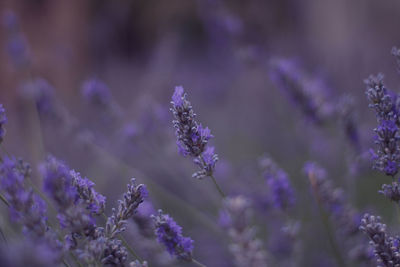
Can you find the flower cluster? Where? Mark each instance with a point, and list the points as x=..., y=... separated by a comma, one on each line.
x=307, y=93
x=94, y=201
x=236, y=217
x=126, y=209
x=281, y=191
x=96, y=92
x=386, y=248
x=72, y=211
x=169, y=233
x=192, y=136
x=344, y=217
x=384, y=103
x=25, y=206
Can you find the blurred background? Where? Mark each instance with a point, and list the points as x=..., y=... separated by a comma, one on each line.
x=221, y=53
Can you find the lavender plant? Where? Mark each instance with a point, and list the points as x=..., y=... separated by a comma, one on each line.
x=192, y=137
x=245, y=247
x=169, y=233
x=344, y=218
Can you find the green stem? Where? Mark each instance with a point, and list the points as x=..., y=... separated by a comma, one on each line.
x=2, y=198
x=217, y=186
x=325, y=221
x=198, y=263
x=129, y=248
x=3, y=235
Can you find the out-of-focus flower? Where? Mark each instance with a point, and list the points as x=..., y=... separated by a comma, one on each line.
x=96, y=92
x=25, y=206
x=281, y=192
x=17, y=46
x=169, y=233
x=309, y=94
x=344, y=217
x=246, y=249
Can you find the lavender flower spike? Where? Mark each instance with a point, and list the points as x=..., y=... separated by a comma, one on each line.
x=280, y=188
x=386, y=248
x=25, y=206
x=245, y=247
x=169, y=233
x=192, y=137
x=126, y=209
x=95, y=202
x=72, y=211
x=3, y=120
x=387, y=156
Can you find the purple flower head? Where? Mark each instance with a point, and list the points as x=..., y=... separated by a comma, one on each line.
x=42, y=94
x=391, y=191
x=127, y=207
x=308, y=93
x=73, y=211
x=94, y=201
x=192, y=137
x=3, y=120
x=281, y=192
x=178, y=97
x=96, y=92
x=206, y=162
x=386, y=248
x=58, y=182
x=236, y=216
x=169, y=233
x=16, y=45
x=25, y=206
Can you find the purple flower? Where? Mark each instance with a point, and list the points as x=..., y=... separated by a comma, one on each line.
x=72, y=211
x=96, y=92
x=3, y=120
x=192, y=137
x=387, y=156
x=206, y=163
x=169, y=233
x=42, y=94
x=25, y=206
x=386, y=248
x=309, y=94
x=280, y=189
x=178, y=96
x=391, y=191
x=126, y=209
x=17, y=46
x=95, y=202
x=235, y=217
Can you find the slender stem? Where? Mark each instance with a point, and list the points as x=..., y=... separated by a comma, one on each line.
x=129, y=248
x=217, y=186
x=65, y=263
x=2, y=198
x=198, y=263
x=326, y=224
x=3, y=235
